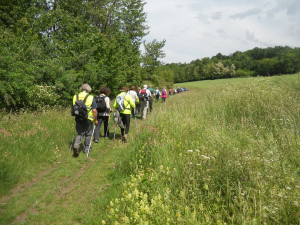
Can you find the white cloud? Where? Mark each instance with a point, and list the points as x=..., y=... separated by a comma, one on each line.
x=195, y=29
x=251, y=12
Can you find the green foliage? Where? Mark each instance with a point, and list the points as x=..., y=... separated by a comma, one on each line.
x=65, y=44
x=150, y=58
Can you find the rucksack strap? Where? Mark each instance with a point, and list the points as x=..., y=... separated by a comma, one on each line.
x=125, y=100
x=85, y=98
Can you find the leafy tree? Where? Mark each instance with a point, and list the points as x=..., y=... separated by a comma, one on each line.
x=151, y=56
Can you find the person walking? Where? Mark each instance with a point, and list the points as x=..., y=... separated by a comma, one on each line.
x=150, y=99
x=170, y=92
x=138, y=104
x=144, y=96
x=84, y=126
x=125, y=114
x=157, y=94
x=135, y=99
x=103, y=112
x=163, y=95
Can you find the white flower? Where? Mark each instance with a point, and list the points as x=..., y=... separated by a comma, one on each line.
x=189, y=150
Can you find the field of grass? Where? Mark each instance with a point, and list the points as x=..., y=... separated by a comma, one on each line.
x=212, y=83
x=227, y=154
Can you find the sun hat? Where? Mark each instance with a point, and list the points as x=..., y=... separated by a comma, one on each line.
x=124, y=89
x=145, y=85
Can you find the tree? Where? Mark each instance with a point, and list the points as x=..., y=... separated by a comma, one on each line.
x=152, y=55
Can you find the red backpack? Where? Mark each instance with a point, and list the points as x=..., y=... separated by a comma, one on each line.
x=143, y=95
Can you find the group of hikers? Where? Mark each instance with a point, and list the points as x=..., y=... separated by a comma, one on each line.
x=88, y=110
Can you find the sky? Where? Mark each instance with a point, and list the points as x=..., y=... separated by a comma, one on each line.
x=194, y=29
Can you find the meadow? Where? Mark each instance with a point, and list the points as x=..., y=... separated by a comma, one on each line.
x=224, y=154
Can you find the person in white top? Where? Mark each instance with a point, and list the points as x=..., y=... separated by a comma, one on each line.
x=134, y=97
x=103, y=115
x=144, y=97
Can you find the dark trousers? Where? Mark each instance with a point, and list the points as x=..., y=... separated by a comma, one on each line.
x=101, y=119
x=150, y=104
x=157, y=98
x=126, y=122
x=84, y=129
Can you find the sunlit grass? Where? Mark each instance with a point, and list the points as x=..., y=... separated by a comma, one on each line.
x=228, y=154
x=30, y=142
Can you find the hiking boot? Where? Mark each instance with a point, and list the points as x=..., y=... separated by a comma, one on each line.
x=96, y=141
x=124, y=139
x=75, y=151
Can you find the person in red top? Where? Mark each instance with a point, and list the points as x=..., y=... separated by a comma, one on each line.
x=163, y=95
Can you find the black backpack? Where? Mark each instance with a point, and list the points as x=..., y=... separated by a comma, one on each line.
x=101, y=104
x=79, y=109
x=143, y=95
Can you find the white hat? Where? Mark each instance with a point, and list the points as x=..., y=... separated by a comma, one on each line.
x=145, y=85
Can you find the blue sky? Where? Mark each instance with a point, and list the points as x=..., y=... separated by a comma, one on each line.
x=194, y=29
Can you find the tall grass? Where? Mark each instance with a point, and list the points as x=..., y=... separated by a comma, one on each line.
x=224, y=155
x=30, y=143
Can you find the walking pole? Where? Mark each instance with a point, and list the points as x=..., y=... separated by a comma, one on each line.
x=116, y=124
x=107, y=125
x=135, y=118
x=87, y=155
x=115, y=131
x=72, y=139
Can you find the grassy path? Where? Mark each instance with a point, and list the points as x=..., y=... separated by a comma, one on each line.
x=64, y=193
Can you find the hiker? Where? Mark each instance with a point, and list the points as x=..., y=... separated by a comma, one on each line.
x=126, y=112
x=84, y=126
x=135, y=99
x=144, y=96
x=103, y=112
x=157, y=94
x=175, y=91
x=150, y=100
x=170, y=92
x=138, y=104
x=163, y=95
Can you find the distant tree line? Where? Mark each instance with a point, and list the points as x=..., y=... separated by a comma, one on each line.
x=258, y=61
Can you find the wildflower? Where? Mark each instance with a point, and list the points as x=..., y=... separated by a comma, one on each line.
x=192, y=166
x=103, y=222
x=296, y=203
x=189, y=150
x=107, y=184
x=243, y=179
x=288, y=188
